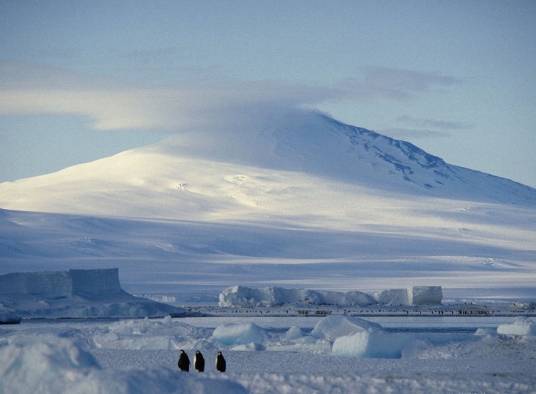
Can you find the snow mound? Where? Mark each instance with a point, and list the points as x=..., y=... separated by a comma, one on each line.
x=154, y=334
x=60, y=366
x=393, y=297
x=293, y=333
x=426, y=295
x=239, y=334
x=352, y=336
x=485, y=331
x=274, y=296
x=377, y=344
x=332, y=327
x=521, y=326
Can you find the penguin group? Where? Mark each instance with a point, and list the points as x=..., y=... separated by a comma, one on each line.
x=199, y=362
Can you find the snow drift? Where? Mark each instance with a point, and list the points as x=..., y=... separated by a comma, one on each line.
x=58, y=365
x=239, y=334
x=333, y=327
x=75, y=293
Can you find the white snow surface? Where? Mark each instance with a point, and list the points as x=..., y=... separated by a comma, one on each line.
x=57, y=365
x=64, y=357
x=519, y=327
x=239, y=334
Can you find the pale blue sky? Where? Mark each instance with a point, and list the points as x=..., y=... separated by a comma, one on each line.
x=454, y=77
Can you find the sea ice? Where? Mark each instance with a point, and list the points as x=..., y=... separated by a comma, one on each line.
x=521, y=326
x=379, y=344
x=239, y=334
x=332, y=327
x=293, y=333
x=58, y=365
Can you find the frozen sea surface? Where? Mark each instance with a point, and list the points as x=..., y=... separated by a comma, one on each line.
x=455, y=360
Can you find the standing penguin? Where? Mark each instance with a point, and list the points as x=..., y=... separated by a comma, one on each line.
x=220, y=362
x=199, y=361
x=184, y=362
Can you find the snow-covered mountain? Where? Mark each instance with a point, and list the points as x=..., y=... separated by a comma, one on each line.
x=305, y=190
x=217, y=173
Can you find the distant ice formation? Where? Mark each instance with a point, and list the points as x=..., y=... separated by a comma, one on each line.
x=242, y=296
x=425, y=295
x=274, y=296
x=74, y=293
x=519, y=327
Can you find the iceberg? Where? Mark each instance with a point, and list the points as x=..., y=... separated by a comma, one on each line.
x=333, y=327
x=521, y=326
x=393, y=297
x=76, y=294
x=243, y=296
x=372, y=343
x=239, y=334
x=425, y=295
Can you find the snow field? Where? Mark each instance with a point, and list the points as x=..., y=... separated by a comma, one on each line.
x=59, y=365
x=135, y=356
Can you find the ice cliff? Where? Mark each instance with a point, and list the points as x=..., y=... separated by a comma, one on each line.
x=75, y=293
x=273, y=296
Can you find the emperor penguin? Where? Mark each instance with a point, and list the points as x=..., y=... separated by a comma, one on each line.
x=184, y=362
x=199, y=361
x=220, y=362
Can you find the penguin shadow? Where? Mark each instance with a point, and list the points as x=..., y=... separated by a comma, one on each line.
x=199, y=362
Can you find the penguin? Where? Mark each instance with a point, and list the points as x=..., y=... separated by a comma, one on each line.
x=220, y=362
x=199, y=361
x=184, y=362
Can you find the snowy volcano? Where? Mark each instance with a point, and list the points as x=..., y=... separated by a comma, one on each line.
x=217, y=172
x=337, y=205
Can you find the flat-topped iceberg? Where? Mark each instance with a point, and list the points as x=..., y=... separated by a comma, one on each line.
x=425, y=295
x=276, y=296
x=242, y=296
x=75, y=294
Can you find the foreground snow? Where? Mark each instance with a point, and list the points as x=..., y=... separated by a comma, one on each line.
x=57, y=365
x=138, y=356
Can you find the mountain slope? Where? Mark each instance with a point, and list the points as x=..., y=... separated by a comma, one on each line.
x=301, y=161
x=305, y=201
